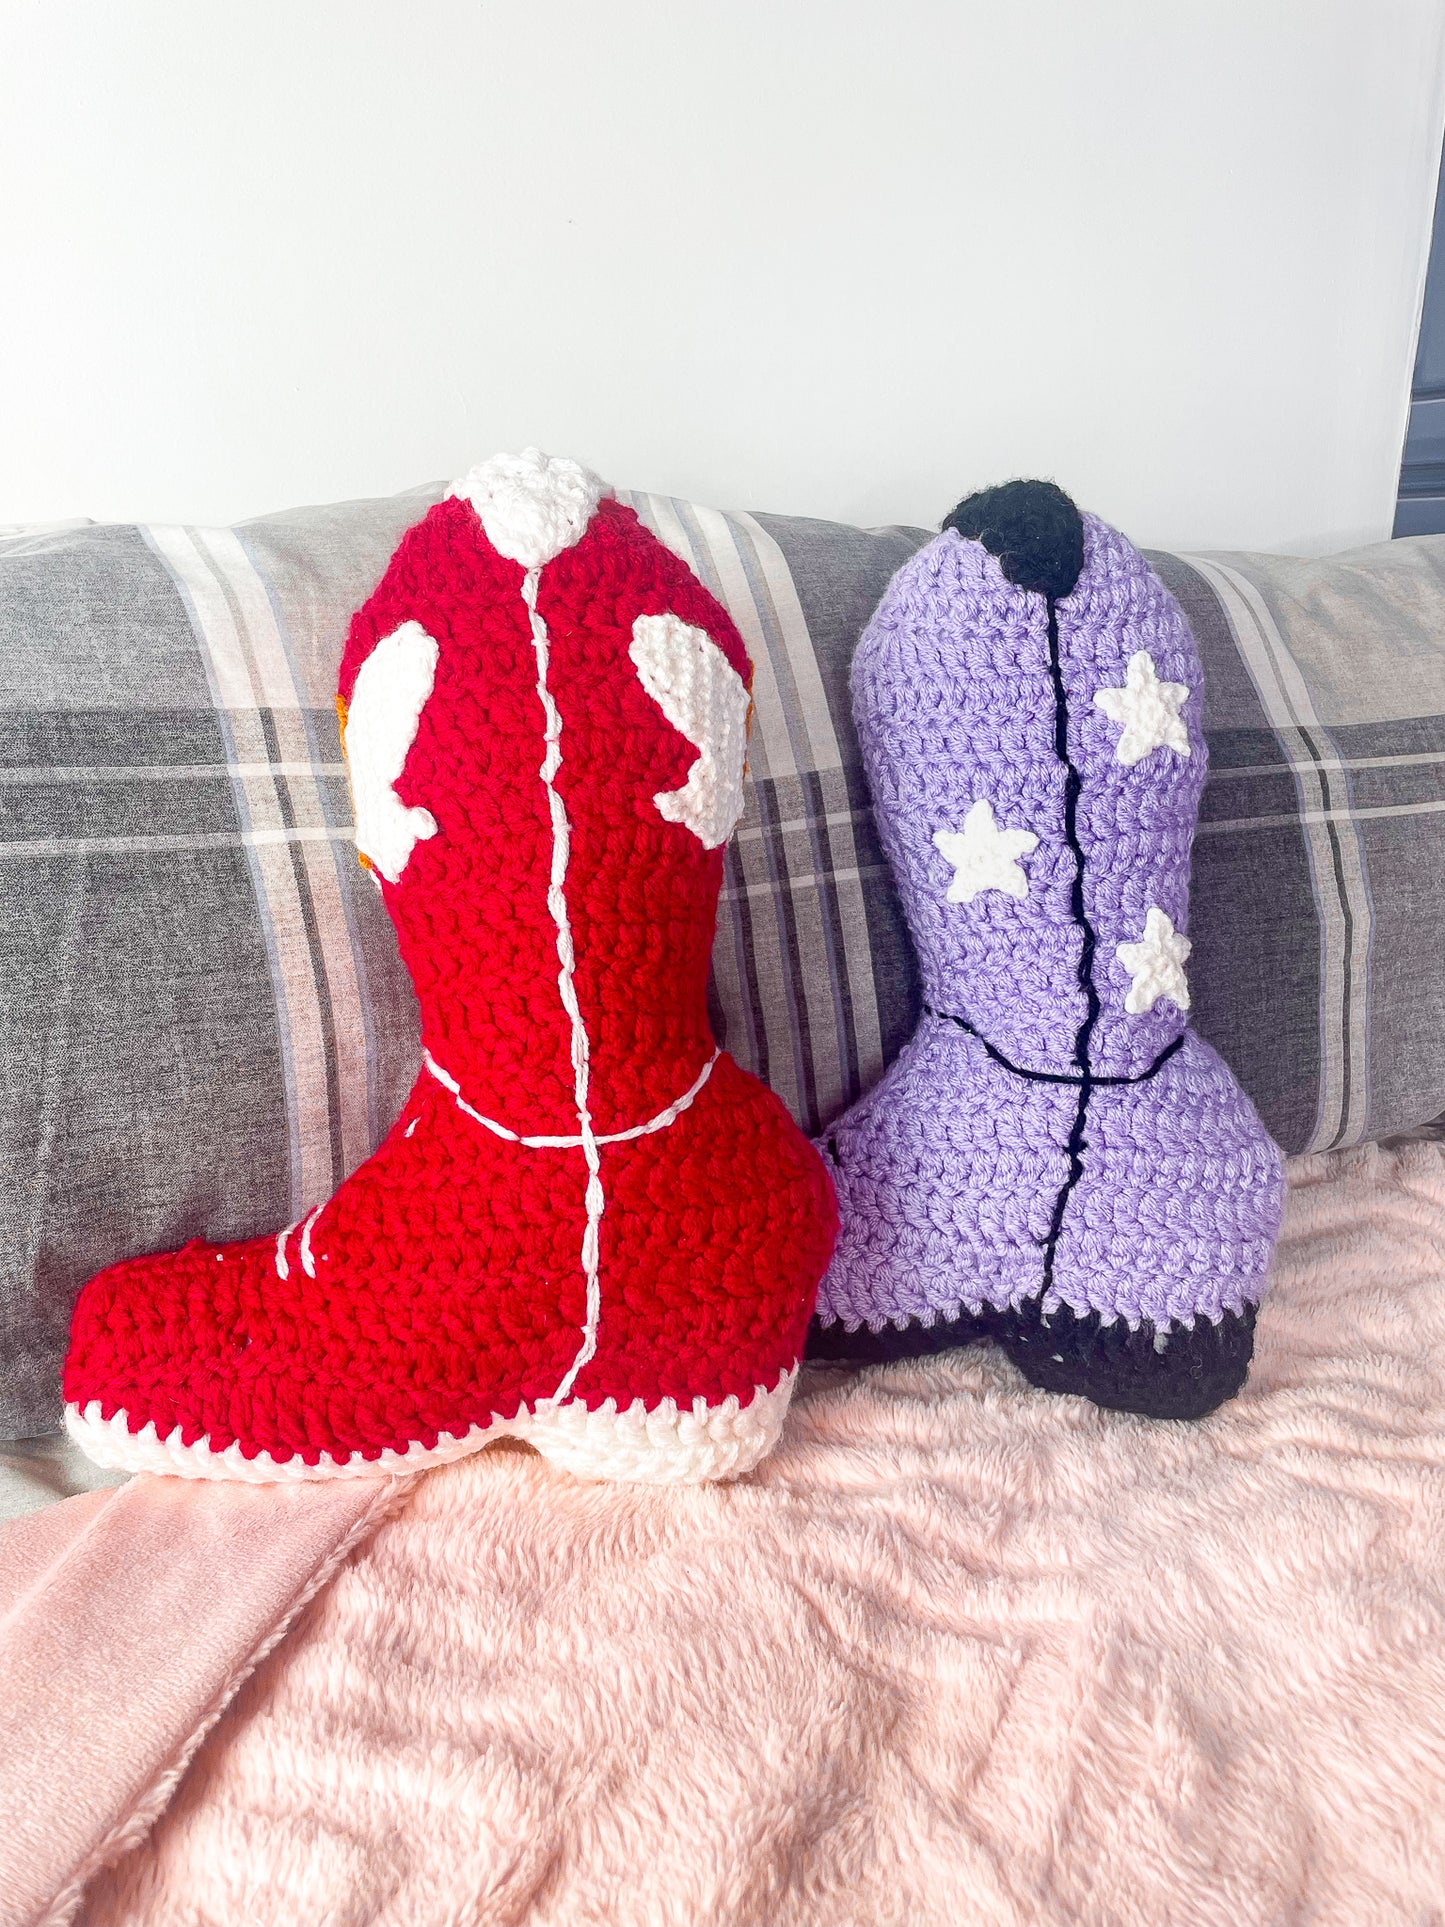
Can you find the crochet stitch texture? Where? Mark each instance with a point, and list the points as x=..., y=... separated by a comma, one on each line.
x=588, y=1227
x=1056, y=1160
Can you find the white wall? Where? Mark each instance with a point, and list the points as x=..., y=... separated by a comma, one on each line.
x=839, y=257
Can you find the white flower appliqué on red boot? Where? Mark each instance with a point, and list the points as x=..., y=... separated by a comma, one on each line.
x=588, y=1228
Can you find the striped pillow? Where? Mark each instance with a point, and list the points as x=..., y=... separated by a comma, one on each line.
x=203, y=1021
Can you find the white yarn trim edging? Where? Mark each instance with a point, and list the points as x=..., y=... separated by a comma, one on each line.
x=567, y=962
x=659, y=1123
x=532, y=506
x=663, y=1444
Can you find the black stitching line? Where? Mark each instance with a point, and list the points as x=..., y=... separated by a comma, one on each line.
x=1073, y=783
x=1056, y=1077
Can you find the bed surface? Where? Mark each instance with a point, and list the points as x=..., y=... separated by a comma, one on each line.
x=959, y=1652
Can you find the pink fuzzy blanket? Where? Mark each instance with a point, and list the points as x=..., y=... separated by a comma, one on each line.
x=959, y=1653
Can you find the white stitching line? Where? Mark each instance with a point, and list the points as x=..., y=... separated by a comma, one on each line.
x=283, y=1270
x=449, y=1083
x=658, y=1123
x=566, y=957
x=308, y=1264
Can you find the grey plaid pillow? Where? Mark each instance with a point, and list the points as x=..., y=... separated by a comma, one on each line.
x=203, y=1020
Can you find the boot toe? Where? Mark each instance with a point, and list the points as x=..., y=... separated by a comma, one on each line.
x=157, y=1341
x=1178, y=1371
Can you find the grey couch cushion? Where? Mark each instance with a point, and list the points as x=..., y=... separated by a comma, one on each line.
x=203, y=1020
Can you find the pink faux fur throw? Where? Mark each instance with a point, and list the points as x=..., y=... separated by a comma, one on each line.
x=959, y=1653
x=127, y=1620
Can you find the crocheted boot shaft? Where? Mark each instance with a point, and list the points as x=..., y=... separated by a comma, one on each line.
x=588, y=1228
x=1056, y=1160
x=471, y=905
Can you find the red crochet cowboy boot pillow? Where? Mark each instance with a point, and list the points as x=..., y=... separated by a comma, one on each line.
x=588, y=1228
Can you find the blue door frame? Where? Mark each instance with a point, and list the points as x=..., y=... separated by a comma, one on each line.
x=1420, y=509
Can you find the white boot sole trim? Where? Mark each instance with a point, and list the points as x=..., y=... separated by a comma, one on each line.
x=662, y=1444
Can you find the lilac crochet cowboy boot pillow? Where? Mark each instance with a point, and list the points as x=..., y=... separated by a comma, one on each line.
x=1056, y=1161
